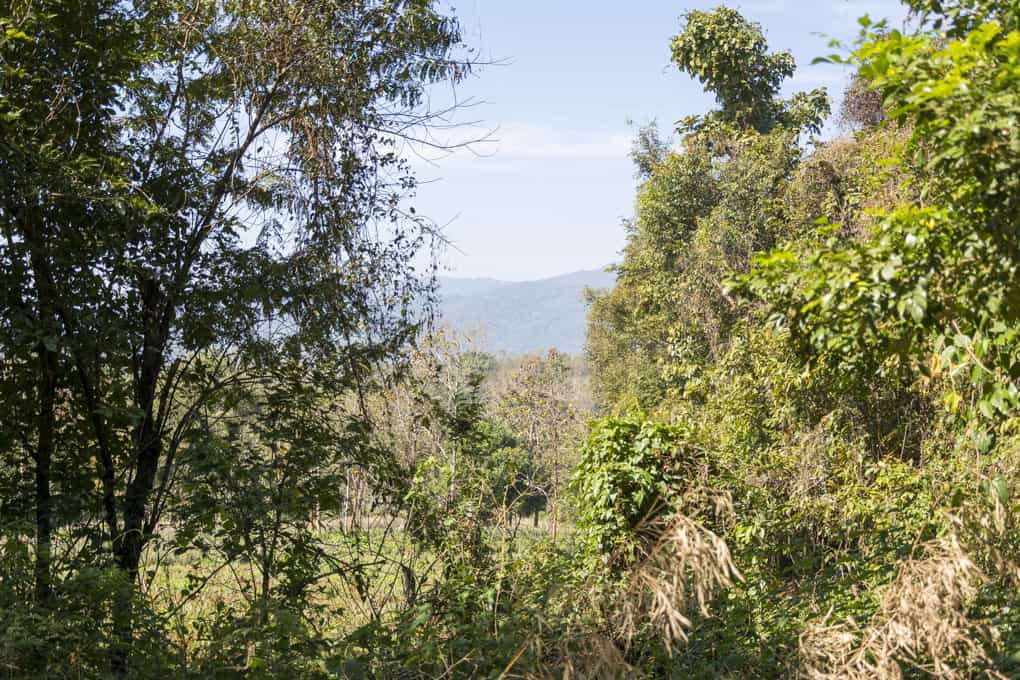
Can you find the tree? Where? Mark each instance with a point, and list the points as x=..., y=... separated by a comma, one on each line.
x=191, y=195
x=535, y=403
x=931, y=291
x=55, y=117
x=729, y=55
x=702, y=210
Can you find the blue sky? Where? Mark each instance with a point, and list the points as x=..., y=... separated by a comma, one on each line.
x=546, y=194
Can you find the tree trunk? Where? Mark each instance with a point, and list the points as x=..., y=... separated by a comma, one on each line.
x=553, y=497
x=47, y=397
x=129, y=545
x=555, y=521
x=43, y=463
x=148, y=447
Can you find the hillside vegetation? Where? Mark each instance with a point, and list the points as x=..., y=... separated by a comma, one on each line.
x=232, y=446
x=520, y=317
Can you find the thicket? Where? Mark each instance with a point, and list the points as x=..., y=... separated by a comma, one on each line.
x=232, y=457
x=828, y=330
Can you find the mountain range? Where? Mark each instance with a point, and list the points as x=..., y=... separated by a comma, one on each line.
x=518, y=317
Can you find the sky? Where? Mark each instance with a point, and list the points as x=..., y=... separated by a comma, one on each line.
x=546, y=189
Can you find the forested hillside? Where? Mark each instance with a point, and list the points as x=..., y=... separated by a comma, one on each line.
x=233, y=443
x=518, y=317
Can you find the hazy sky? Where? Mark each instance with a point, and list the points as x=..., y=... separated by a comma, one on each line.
x=546, y=195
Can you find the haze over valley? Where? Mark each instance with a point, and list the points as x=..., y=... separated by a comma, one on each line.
x=520, y=317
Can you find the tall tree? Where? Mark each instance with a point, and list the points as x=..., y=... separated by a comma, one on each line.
x=192, y=193
x=701, y=211
x=729, y=55
x=535, y=404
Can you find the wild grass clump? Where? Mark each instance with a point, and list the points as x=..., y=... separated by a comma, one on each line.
x=685, y=568
x=926, y=620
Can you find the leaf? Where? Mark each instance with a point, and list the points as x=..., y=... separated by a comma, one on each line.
x=1000, y=487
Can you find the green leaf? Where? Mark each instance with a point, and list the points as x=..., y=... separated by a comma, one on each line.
x=1000, y=487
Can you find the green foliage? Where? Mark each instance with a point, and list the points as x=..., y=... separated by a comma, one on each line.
x=629, y=469
x=232, y=464
x=958, y=17
x=853, y=390
x=648, y=149
x=729, y=55
x=537, y=404
x=931, y=290
x=206, y=260
x=73, y=638
x=701, y=211
x=699, y=217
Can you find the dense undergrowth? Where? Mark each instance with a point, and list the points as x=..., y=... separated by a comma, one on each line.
x=804, y=461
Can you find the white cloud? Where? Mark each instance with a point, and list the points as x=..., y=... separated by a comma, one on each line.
x=521, y=141
x=537, y=141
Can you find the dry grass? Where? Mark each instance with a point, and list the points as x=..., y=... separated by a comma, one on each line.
x=591, y=656
x=923, y=621
x=684, y=565
x=685, y=568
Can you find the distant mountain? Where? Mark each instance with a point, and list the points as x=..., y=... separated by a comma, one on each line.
x=520, y=317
